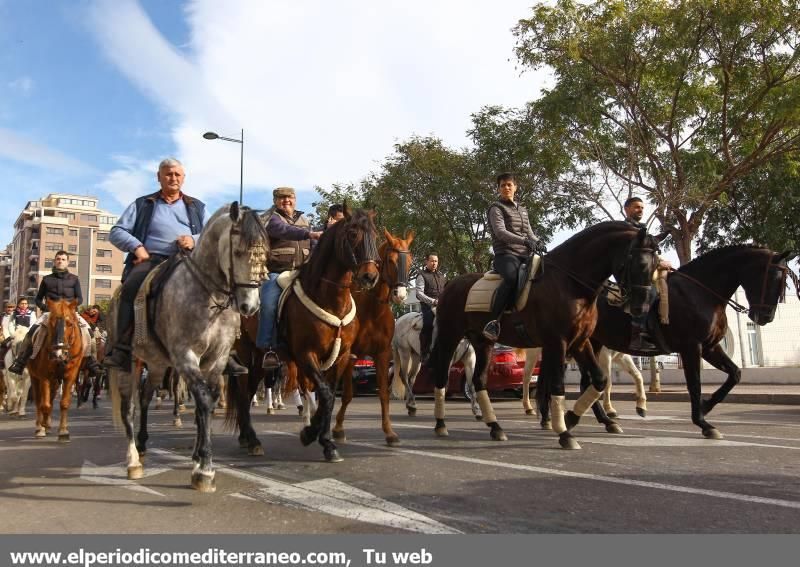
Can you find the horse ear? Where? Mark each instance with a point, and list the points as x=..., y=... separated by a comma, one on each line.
x=387, y=235
x=235, y=211
x=788, y=255
x=346, y=210
x=410, y=234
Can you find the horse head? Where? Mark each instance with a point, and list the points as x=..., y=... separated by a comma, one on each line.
x=63, y=329
x=633, y=271
x=764, y=283
x=396, y=259
x=232, y=256
x=356, y=245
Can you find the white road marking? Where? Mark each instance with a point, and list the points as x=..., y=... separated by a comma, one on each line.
x=116, y=475
x=569, y=474
x=333, y=497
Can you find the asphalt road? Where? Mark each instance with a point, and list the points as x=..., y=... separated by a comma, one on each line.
x=660, y=476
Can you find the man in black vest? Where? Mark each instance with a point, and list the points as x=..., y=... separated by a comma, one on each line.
x=60, y=284
x=151, y=229
x=429, y=285
x=513, y=242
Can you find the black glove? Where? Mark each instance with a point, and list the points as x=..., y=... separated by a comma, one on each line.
x=540, y=249
x=531, y=244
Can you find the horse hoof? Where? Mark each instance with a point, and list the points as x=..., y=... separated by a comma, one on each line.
x=40, y=433
x=177, y=422
x=135, y=473
x=571, y=419
x=94, y=405
x=478, y=417
x=612, y=414
x=441, y=431
x=499, y=435
x=63, y=437
x=339, y=436
x=307, y=436
x=332, y=456
x=712, y=433
x=256, y=451
x=270, y=411
x=181, y=408
x=567, y=441
x=614, y=428
x=547, y=425
x=157, y=404
x=204, y=483
x=530, y=412
x=412, y=411
x=392, y=440
x=642, y=412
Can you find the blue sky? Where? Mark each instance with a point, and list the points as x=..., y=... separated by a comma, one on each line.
x=94, y=94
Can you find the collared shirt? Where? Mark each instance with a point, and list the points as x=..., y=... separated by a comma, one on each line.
x=170, y=220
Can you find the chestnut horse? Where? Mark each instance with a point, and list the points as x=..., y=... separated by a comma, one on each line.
x=376, y=327
x=58, y=361
x=559, y=316
x=316, y=332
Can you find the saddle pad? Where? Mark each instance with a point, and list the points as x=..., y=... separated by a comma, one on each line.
x=141, y=334
x=482, y=292
x=40, y=334
x=286, y=278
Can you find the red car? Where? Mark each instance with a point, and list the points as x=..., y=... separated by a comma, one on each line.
x=504, y=375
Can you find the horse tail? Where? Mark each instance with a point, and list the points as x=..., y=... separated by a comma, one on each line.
x=119, y=382
x=398, y=386
x=232, y=401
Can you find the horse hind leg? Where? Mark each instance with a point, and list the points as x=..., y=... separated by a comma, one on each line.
x=629, y=366
x=531, y=356
x=594, y=381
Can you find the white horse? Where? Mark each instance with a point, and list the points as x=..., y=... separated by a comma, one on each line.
x=605, y=358
x=17, y=385
x=407, y=362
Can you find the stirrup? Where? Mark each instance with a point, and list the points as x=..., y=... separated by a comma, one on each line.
x=271, y=360
x=492, y=330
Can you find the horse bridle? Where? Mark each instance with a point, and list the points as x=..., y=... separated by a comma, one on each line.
x=215, y=288
x=403, y=257
x=369, y=249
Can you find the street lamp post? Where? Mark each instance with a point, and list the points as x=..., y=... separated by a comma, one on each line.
x=215, y=136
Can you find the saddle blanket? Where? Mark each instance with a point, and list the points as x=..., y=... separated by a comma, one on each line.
x=482, y=292
x=141, y=335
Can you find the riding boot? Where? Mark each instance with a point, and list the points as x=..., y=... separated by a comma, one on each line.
x=94, y=367
x=233, y=368
x=640, y=338
x=424, y=346
x=120, y=357
x=26, y=351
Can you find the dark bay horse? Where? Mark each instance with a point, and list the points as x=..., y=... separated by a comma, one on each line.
x=58, y=362
x=699, y=292
x=559, y=316
x=376, y=327
x=198, y=319
x=316, y=349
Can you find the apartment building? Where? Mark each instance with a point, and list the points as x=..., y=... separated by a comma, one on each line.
x=5, y=276
x=74, y=223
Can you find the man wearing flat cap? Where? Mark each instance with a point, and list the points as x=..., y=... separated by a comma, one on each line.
x=290, y=239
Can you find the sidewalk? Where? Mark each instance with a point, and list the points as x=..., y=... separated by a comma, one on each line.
x=784, y=394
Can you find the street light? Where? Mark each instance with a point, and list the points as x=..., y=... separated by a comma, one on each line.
x=215, y=136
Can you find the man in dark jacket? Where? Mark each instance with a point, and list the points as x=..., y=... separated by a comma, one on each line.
x=429, y=285
x=513, y=242
x=151, y=229
x=60, y=284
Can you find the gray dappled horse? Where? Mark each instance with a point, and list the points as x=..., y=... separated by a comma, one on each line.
x=198, y=320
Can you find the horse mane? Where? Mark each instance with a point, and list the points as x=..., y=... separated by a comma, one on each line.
x=593, y=231
x=251, y=230
x=717, y=253
x=326, y=249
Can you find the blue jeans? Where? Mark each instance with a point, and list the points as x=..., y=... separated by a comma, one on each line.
x=267, y=319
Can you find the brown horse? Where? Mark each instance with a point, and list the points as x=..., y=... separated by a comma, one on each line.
x=345, y=254
x=59, y=361
x=559, y=316
x=376, y=327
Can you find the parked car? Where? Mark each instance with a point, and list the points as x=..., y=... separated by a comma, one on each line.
x=364, y=378
x=504, y=375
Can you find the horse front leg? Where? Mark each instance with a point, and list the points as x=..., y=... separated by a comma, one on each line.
x=347, y=396
x=531, y=356
x=598, y=381
x=320, y=424
x=382, y=368
x=551, y=378
x=146, y=391
x=691, y=372
x=599, y=409
x=483, y=352
x=203, y=475
x=629, y=366
x=605, y=358
x=70, y=376
x=439, y=362
x=123, y=386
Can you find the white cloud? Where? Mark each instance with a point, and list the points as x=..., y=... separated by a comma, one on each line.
x=17, y=147
x=323, y=90
x=22, y=84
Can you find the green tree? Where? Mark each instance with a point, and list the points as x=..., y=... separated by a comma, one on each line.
x=336, y=194
x=675, y=101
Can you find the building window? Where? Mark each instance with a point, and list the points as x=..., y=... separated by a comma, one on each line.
x=55, y=231
x=48, y=263
x=72, y=263
x=102, y=297
x=72, y=248
x=102, y=236
x=103, y=283
x=73, y=232
x=102, y=253
x=62, y=214
x=54, y=246
x=103, y=268
x=90, y=218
